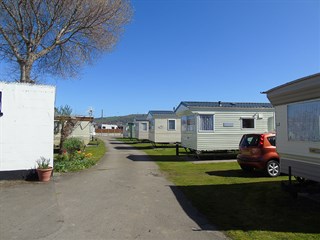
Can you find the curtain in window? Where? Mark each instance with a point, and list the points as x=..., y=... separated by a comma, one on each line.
x=304, y=121
x=206, y=122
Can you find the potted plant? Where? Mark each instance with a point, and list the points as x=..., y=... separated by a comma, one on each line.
x=44, y=170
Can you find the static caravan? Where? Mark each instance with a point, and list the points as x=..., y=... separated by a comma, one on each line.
x=141, y=129
x=26, y=127
x=129, y=130
x=164, y=127
x=297, y=106
x=215, y=126
x=108, y=126
x=83, y=128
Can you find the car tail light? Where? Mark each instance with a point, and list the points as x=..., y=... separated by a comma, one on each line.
x=261, y=140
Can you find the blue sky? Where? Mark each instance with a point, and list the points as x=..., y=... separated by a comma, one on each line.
x=198, y=50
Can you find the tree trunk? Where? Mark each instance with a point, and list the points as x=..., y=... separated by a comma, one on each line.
x=25, y=72
x=67, y=127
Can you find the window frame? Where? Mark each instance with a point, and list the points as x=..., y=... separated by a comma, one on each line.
x=298, y=115
x=199, y=123
x=146, y=127
x=175, y=124
x=152, y=123
x=248, y=118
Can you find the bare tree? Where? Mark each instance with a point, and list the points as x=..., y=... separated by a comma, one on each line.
x=58, y=36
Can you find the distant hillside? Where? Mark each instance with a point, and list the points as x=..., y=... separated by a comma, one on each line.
x=120, y=120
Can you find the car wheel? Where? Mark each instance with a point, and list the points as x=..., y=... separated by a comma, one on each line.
x=246, y=168
x=273, y=168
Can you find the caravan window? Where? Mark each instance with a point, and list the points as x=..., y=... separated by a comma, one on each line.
x=171, y=124
x=247, y=123
x=304, y=121
x=206, y=123
x=188, y=123
x=144, y=127
x=151, y=124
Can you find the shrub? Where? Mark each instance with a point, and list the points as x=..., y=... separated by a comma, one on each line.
x=78, y=161
x=72, y=145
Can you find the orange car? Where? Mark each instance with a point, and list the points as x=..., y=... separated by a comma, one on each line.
x=258, y=151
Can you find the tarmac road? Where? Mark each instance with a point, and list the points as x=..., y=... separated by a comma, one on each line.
x=123, y=197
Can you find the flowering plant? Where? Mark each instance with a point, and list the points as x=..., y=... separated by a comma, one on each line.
x=43, y=163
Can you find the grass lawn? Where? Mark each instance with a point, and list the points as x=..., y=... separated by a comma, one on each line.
x=96, y=150
x=243, y=205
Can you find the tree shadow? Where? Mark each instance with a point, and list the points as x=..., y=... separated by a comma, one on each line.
x=259, y=206
x=119, y=143
x=215, y=156
x=191, y=211
x=237, y=173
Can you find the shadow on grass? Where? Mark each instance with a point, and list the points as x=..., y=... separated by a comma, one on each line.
x=163, y=146
x=237, y=173
x=120, y=143
x=155, y=158
x=123, y=143
x=216, y=156
x=260, y=206
x=133, y=148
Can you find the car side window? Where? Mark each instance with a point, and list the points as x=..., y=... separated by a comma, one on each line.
x=272, y=140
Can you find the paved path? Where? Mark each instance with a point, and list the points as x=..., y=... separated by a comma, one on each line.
x=123, y=197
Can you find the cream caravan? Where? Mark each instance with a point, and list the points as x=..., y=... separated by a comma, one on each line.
x=297, y=106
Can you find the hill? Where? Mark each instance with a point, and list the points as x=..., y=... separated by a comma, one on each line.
x=120, y=120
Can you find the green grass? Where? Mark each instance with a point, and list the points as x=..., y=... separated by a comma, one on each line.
x=243, y=205
x=97, y=149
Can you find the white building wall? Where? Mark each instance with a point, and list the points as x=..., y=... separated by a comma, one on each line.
x=83, y=130
x=140, y=132
x=163, y=135
x=26, y=127
x=189, y=140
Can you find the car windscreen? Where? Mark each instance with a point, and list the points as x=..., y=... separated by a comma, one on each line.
x=250, y=141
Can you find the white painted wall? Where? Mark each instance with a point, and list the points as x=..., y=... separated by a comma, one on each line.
x=140, y=132
x=160, y=133
x=26, y=127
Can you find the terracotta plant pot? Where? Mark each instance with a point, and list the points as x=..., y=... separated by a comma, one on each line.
x=44, y=174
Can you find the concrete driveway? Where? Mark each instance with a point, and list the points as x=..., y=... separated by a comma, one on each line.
x=123, y=197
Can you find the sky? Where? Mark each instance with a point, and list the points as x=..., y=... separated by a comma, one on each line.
x=197, y=50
